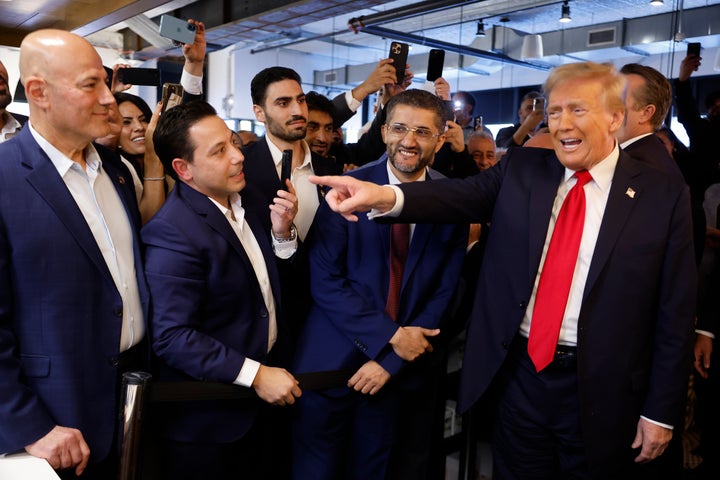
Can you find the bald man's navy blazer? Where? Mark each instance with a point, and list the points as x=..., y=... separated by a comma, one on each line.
x=60, y=312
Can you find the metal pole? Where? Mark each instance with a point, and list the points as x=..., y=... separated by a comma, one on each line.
x=134, y=390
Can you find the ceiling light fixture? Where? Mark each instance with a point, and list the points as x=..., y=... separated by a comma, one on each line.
x=565, y=17
x=657, y=3
x=480, y=29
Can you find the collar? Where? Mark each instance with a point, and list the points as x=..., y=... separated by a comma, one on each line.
x=235, y=211
x=393, y=180
x=276, y=153
x=61, y=162
x=602, y=172
x=11, y=123
x=625, y=144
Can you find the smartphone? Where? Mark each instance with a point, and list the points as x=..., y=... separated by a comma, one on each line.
x=177, y=29
x=538, y=104
x=399, y=54
x=694, y=48
x=478, y=123
x=435, y=64
x=285, y=168
x=172, y=95
x=139, y=76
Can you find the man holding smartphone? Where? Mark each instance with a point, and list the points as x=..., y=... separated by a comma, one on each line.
x=531, y=114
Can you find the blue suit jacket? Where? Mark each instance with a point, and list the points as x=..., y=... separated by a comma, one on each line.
x=349, y=268
x=635, y=326
x=60, y=313
x=208, y=310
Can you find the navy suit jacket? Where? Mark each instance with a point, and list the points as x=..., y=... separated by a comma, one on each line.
x=208, y=310
x=349, y=263
x=60, y=312
x=635, y=326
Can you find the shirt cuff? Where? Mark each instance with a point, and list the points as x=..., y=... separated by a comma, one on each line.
x=191, y=83
x=284, y=249
x=669, y=427
x=395, y=210
x=352, y=104
x=705, y=332
x=247, y=373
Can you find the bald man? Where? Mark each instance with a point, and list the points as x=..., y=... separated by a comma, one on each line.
x=72, y=295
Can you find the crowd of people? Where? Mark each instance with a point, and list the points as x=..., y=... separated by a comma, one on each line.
x=573, y=251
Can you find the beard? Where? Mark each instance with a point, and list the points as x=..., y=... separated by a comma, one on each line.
x=284, y=131
x=423, y=159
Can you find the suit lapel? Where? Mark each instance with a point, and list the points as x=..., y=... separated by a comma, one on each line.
x=619, y=206
x=542, y=196
x=50, y=186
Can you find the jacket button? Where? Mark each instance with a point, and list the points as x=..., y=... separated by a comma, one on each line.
x=118, y=312
x=523, y=304
x=263, y=314
x=505, y=345
x=114, y=361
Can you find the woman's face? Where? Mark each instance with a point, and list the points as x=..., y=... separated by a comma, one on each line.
x=134, y=124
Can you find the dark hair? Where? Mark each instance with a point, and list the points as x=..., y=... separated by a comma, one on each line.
x=316, y=101
x=261, y=82
x=656, y=91
x=172, y=138
x=531, y=95
x=122, y=97
x=467, y=98
x=419, y=99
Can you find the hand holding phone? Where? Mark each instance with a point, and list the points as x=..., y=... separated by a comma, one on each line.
x=694, y=48
x=539, y=104
x=399, y=54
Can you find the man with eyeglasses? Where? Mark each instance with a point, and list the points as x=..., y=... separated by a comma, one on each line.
x=385, y=423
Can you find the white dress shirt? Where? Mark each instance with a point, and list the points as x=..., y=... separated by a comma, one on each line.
x=105, y=214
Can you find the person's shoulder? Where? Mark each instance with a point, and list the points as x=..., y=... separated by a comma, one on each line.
x=369, y=170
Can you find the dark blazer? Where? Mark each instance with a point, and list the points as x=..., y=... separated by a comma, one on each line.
x=208, y=310
x=59, y=308
x=349, y=262
x=651, y=150
x=635, y=326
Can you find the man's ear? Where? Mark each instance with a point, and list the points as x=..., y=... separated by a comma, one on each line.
x=259, y=113
x=183, y=169
x=36, y=91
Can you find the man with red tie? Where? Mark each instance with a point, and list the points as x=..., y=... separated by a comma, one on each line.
x=588, y=356
x=378, y=290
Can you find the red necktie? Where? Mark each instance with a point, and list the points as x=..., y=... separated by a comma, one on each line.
x=399, y=243
x=557, y=274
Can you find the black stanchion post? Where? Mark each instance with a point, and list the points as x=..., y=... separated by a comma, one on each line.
x=134, y=391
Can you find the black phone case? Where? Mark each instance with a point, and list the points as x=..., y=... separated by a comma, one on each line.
x=694, y=48
x=435, y=64
x=139, y=76
x=399, y=54
x=285, y=166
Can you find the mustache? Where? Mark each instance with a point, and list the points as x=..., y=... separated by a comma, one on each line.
x=295, y=118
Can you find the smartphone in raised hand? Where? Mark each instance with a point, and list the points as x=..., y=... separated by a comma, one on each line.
x=399, y=54
x=436, y=60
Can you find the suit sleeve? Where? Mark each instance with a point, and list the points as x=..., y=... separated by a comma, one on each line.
x=23, y=417
x=370, y=146
x=342, y=111
x=673, y=336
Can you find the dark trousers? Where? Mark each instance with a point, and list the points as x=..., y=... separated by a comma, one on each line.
x=537, y=433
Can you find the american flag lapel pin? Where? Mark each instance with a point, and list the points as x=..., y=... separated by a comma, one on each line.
x=630, y=192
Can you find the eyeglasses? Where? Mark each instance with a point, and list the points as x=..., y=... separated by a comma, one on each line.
x=399, y=130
